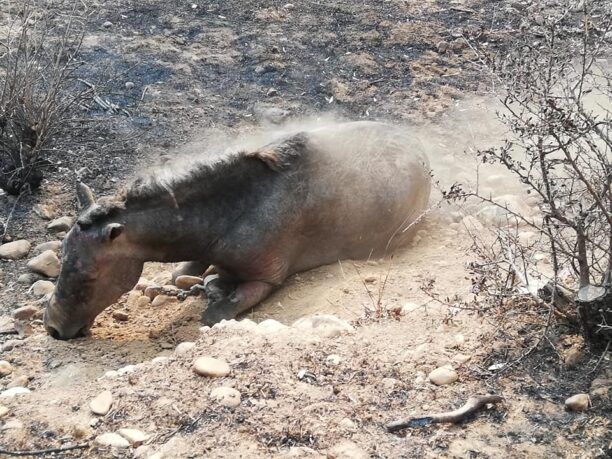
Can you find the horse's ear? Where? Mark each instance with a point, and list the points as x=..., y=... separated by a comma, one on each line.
x=282, y=155
x=84, y=195
x=112, y=231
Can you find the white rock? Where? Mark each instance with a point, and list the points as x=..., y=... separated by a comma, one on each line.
x=46, y=264
x=126, y=369
x=15, y=250
x=271, y=326
x=111, y=374
x=183, y=348
x=101, y=405
x=112, y=439
x=41, y=288
x=461, y=358
x=160, y=299
x=160, y=359
x=3, y=411
x=208, y=366
x=324, y=325
x=348, y=424
x=333, y=360
x=12, y=424
x=442, y=376
x=578, y=402
x=134, y=436
x=407, y=308
x=60, y=224
x=5, y=368
x=13, y=391
x=226, y=396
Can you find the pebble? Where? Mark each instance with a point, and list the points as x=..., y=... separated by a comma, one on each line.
x=143, y=301
x=408, y=308
x=112, y=439
x=134, y=436
x=60, y=224
x=142, y=284
x=333, y=360
x=25, y=312
x=18, y=381
x=121, y=316
x=461, y=358
x=272, y=92
x=29, y=278
x=152, y=291
x=14, y=391
x=442, y=376
x=208, y=366
x=226, y=396
x=183, y=348
x=50, y=245
x=271, y=326
x=5, y=368
x=129, y=85
x=578, y=402
x=186, y=282
x=160, y=359
x=15, y=250
x=3, y=411
x=12, y=424
x=46, y=264
x=41, y=288
x=325, y=325
x=159, y=300
x=600, y=387
x=348, y=424
x=573, y=357
x=101, y=405
x=107, y=25
x=370, y=279
x=347, y=450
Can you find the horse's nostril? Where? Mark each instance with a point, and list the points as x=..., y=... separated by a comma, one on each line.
x=53, y=332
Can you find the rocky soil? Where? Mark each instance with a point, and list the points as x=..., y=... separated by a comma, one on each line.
x=326, y=362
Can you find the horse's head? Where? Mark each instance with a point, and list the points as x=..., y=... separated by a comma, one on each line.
x=98, y=266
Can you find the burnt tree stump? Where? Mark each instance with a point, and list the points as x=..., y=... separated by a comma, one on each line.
x=594, y=305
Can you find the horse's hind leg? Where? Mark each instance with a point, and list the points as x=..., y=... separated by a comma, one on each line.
x=244, y=296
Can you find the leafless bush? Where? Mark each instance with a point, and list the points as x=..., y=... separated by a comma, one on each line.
x=39, y=58
x=557, y=97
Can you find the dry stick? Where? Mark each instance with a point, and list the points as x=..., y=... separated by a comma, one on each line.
x=43, y=452
x=472, y=405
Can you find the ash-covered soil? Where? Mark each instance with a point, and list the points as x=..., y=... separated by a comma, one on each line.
x=202, y=72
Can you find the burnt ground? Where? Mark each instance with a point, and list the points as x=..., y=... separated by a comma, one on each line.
x=200, y=67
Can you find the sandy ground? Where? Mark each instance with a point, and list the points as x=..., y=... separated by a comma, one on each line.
x=296, y=400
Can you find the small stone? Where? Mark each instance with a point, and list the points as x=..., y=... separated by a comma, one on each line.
x=325, y=325
x=573, y=356
x=143, y=301
x=51, y=245
x=13, y=391
x=112, y=439
x=186, y=282
x=407, y=308
x=458, y=340
x=101, y=405
x=121, y=316
x=5, y=368
x=600, y=387
x=3, y=411
x=15, y=250
x=442, y=47
x=152, y=291
x=370, y=279
x=183, y=348
x=46, y=264
x=159, y=300
x=389, y=384
x=208, y=366
x=348, y=424
x=18, y=381
x=347, y=450
x=142, y=284
x=29, y=278
x=160, y=359
x=461, y=358
x=25, y=312
x=578, y=402
x=226, y=396
x=272, y=92
x=12, y=424
x=333, y=360
x=60, y=224
x=271, y=326
x=129, y=85
x=107, y=25
x=41, y=288
x=442, y=376
x=134, y=436
x=43, y=211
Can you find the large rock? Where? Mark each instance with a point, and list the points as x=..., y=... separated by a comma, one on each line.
x=15, y=250
x=208, y=366
x=578, y=402
x=46, y=263
x=51, y=245
x=60, y=224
